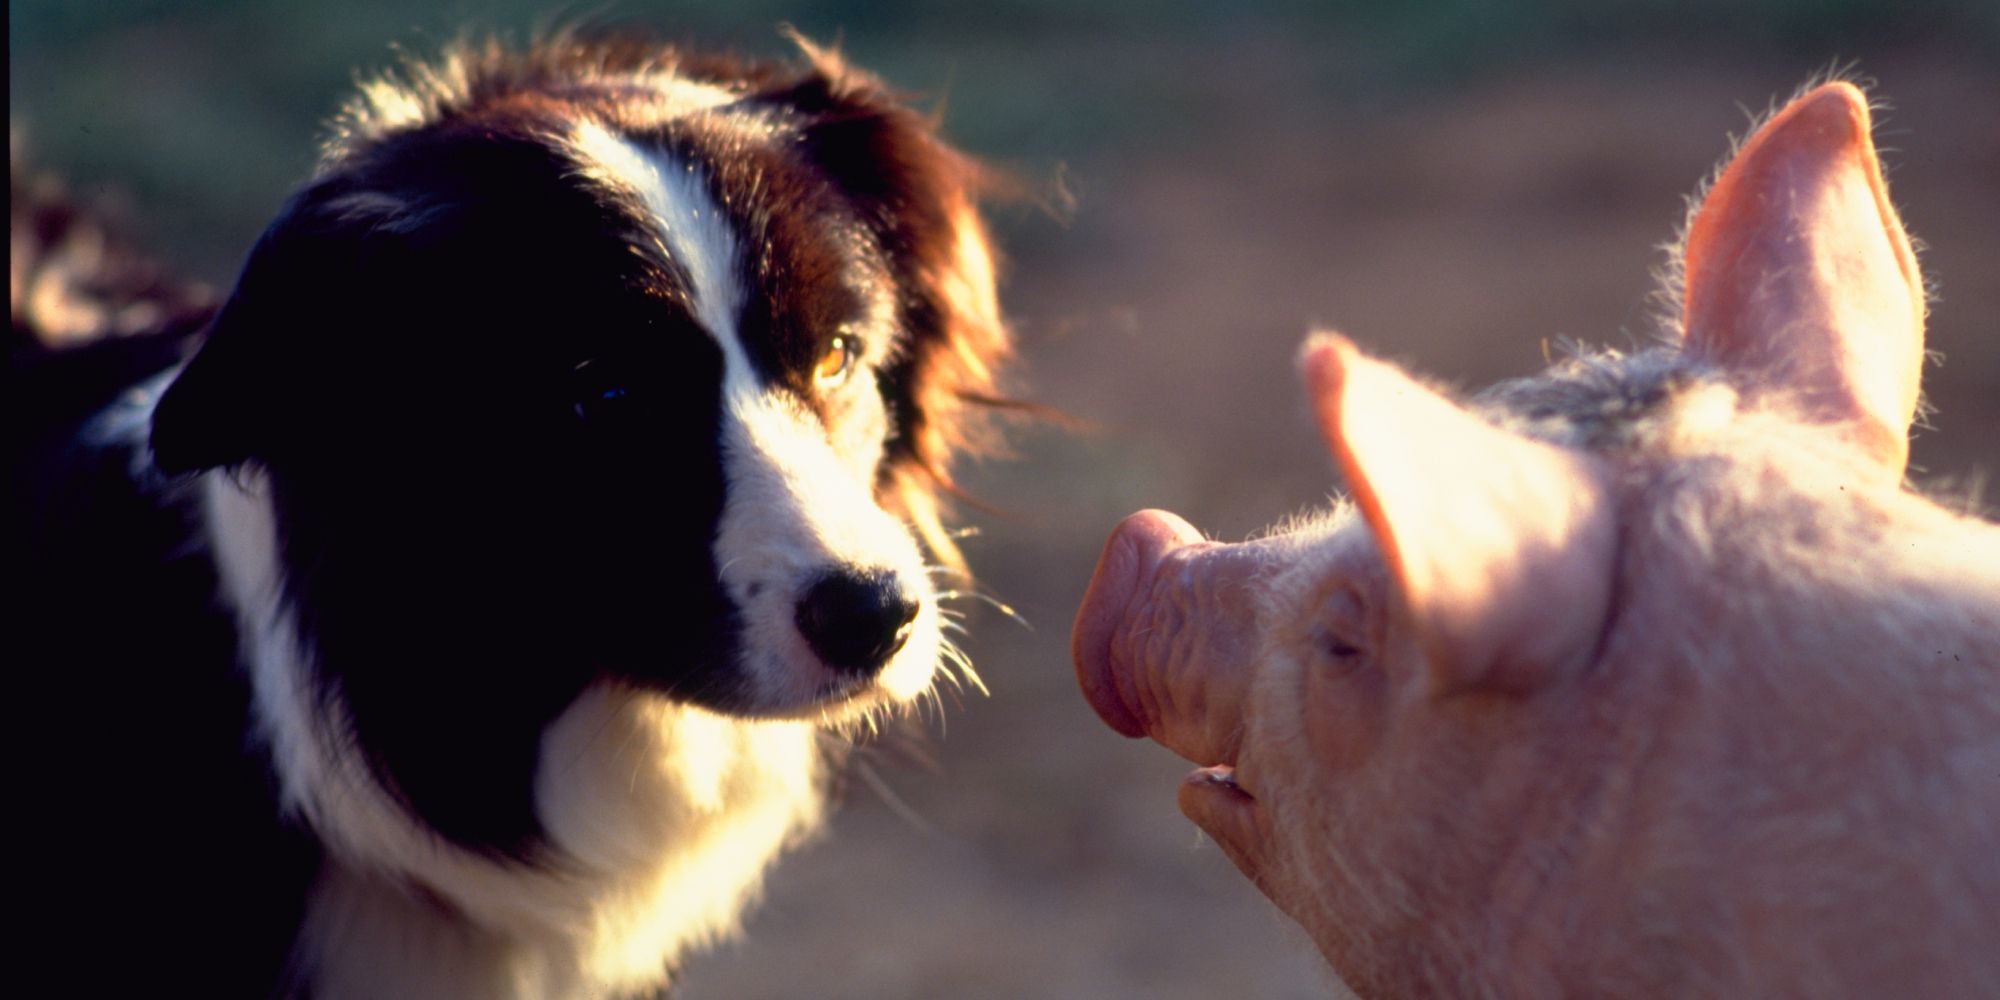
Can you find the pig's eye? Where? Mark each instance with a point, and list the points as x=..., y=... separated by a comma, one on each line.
x=1340, y=653
x=1339, y=623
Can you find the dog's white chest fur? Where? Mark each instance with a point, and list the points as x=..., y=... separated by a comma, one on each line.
x=669, y=817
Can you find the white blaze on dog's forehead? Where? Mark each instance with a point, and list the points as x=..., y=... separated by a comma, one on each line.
x=691, y=227
x=794, y=511
x=780, y=461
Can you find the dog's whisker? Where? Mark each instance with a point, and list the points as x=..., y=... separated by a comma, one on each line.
x=936, y=702
x=962, y=665
x=947, y=574
x=998, y=605
x=957, y=701
x=895, y=803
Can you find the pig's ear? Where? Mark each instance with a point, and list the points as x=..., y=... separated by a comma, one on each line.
x=1800, y=277
x=1500, y=547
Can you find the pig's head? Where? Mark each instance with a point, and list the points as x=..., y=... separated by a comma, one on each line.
x=1508, y=699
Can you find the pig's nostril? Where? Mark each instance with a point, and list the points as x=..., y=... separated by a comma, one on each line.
x=855, y=622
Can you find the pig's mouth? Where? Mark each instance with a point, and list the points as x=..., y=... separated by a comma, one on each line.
x=1218, y=774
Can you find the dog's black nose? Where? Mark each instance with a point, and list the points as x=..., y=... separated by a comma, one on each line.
x=856, y=621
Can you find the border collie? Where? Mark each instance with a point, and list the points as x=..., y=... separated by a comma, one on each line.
x=467, y=615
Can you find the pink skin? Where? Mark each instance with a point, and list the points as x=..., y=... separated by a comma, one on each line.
x=1164, y=641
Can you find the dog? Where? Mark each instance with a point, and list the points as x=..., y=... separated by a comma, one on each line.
x=468, y=615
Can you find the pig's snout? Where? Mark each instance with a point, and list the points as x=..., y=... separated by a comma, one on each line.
x=1161, y=642
x=1119, y=591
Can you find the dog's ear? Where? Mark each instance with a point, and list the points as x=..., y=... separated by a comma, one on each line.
x=918, y=195
x=243, y=388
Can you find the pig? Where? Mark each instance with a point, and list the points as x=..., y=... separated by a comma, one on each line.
x=1643, y=677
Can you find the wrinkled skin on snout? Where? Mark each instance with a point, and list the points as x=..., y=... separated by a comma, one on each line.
x=1648, y=678
x=1170, y=635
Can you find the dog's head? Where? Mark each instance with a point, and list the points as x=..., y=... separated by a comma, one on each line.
x=601, y=363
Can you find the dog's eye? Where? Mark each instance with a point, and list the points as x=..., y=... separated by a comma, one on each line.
x=843, y=352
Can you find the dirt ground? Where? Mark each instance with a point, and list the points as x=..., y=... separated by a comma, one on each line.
x=1039, y=855
x=1018, y=849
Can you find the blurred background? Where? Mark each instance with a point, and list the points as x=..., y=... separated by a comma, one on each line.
x=1454, y=183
